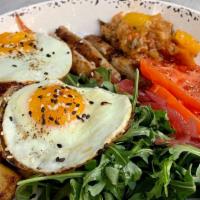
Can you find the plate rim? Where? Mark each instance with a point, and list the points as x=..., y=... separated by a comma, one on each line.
x=162, y=2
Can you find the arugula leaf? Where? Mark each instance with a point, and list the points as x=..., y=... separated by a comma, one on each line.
x=135, y=93
x=104, y=73
x=60, y=177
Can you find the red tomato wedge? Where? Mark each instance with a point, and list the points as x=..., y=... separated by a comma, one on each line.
x=185, y=84
x=186, y=124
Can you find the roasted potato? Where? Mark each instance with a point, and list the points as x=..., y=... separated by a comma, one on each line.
x=8, y=182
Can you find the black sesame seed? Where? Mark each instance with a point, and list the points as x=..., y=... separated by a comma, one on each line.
x=62, y=87
x=14, y=65
x=68, y=104
x=53, y=52
x=11, y=119
x=41, y=49
x=55, y=96
x=42, y=109
x=60, y=159
x=104, y=103
x=51, y=118
x=48, y=55
x=91, y=102
x=40, y=97
x=30, y=113
x=68, y=52
x=56, y=122
x=77, y=105
x=59, y=145
x=70, y=96
x=73, y=112
x=87, y=116
x=79, y=118
x=83, y=115
x=46, y=73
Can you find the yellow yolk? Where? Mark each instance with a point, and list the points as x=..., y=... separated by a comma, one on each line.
x=17, y=42
x=55, y=105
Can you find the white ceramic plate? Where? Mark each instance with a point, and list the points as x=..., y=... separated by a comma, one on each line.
x=81, y=16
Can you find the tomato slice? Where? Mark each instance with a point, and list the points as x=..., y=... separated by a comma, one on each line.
x=185, y=122
x=185, y=84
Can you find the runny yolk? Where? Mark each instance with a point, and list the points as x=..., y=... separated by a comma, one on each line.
x=55, y=105
x=17, y=42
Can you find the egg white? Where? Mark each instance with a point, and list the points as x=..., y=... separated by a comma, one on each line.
x=80, y=140
x=51, y=60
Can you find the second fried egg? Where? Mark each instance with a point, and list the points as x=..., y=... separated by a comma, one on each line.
x=31, y=56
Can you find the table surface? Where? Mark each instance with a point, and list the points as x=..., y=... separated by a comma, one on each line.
x=8, y=5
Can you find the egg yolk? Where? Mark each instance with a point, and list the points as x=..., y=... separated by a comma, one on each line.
x=55, y=105
x=22, y=42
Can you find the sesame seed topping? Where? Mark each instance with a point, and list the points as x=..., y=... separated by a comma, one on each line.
x=40, y=97
x=48, y=55
x=60, y=159
x=51, y=118
x=56, y=122
x=87, y=116
x=30, y=113
x=42, y=109
x=104, y=103
x=59, y=145
x=73, y=112
x=91, y=102
x=11, y=119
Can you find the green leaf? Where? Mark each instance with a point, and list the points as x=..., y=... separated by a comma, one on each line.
x=90, y=165
x=179, y=149
x=198, y=171
x=112, y=174
x=136, y=86
x=108, y=86
x=131, y=172
x=108, y=196
x=143, y=153
x=60, y=177
x=104, y=73
x=71, y=79
x=163, y=180
x=138, y=196
x=97, y=188
x=121, y=156
x=25, y=192
x=75, y=189
x=96, y=174
x=186, y=187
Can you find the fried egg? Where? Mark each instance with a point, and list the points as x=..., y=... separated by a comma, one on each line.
x=28, y=56
x=50, y=127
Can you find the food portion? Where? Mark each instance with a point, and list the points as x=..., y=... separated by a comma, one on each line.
x=139, y=36
x=28, y=57
x=60, y=127
x=8, y=183
x=124, y=121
